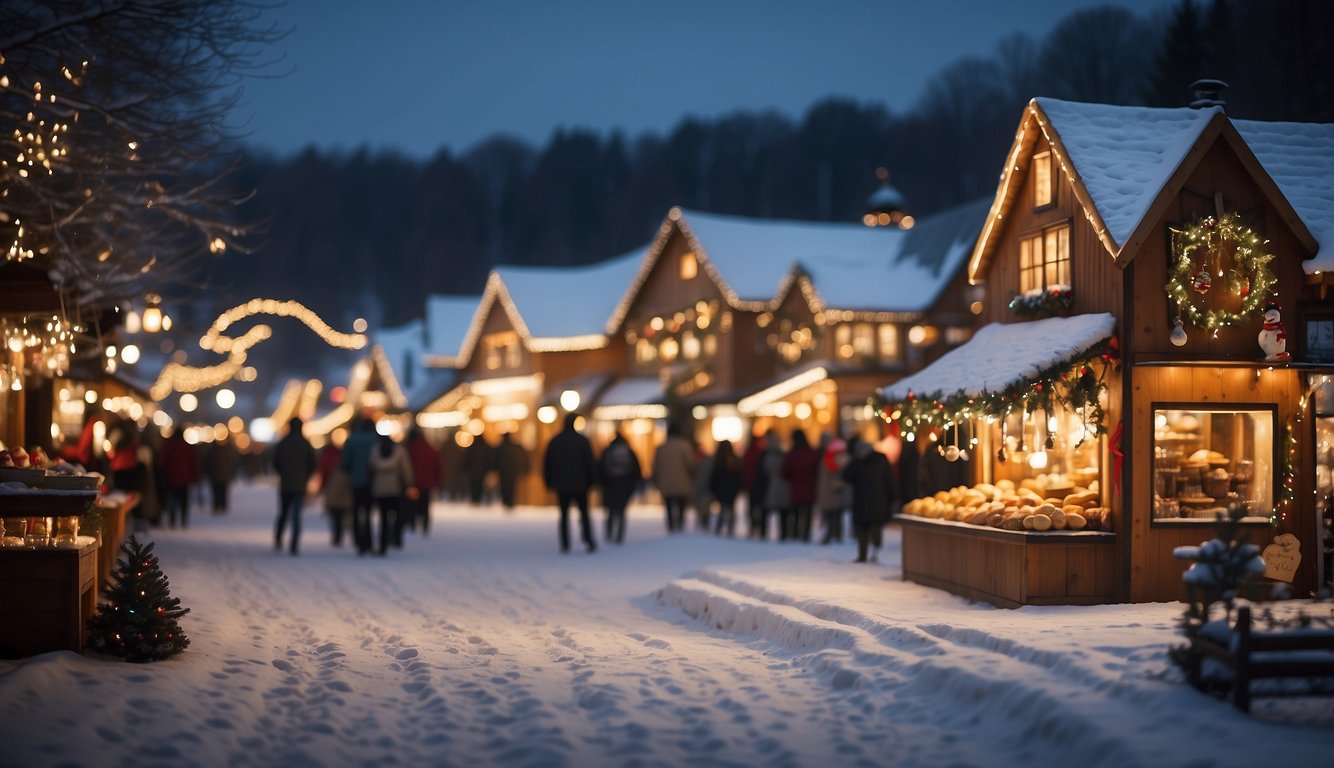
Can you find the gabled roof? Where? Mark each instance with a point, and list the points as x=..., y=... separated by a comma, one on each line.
x=404, y=349
x=1123, y=163
x=447, y=322
x=754, y=262
x=1300, y=159
x=554, y=308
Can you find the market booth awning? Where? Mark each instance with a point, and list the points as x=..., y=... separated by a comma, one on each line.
x=1002, y=357
x=632, y=398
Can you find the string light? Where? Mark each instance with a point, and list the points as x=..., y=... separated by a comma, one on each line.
x=1250, y=277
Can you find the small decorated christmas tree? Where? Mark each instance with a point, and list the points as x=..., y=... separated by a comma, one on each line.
x=137, y=617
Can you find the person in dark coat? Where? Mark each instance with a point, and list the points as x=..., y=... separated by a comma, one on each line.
x=391, y=483
x=426, y=476
x=619, y=474
x=453, y=480
x=777, y=495
x=221, y=464
x=356, y=462
x=179, y=463
x=295, y=462
x=478, y=461
x=801, y=466
x=725, y=485
x=337, y=491
x=871, y=478
x=755, y=483
x=569, y=470
x=511, y=464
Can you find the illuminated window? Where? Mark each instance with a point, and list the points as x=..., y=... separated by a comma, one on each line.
x=1042, y=187
x=863, y=340
x=502, y=349
x=689, y=266
x=669, y=349
x=1044, y=260
x=843, y=341
x=889, y=342
x=645, y=352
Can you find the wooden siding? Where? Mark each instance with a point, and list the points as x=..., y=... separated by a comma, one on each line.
x=1008, y=568
x=1155, y=575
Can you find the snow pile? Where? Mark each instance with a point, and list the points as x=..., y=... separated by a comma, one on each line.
x=483, y=645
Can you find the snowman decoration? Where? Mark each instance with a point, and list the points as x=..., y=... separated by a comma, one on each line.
x=1274, y=336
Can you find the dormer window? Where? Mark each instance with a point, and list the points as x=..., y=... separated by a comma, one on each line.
x=1042, y=180
x=689, y=265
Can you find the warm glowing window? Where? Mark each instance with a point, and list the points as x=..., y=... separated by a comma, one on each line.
x=1042, y=186
x=502, y=349
x=1044, y=260
x=889, y=342
x=645, y=351
x=863, y=339
x=689, y=266
x=1208, y=461
x=843, y=341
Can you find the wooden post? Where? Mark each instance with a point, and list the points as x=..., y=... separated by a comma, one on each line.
x=1241, y=682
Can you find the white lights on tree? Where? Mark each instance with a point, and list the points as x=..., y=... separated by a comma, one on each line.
x=225, y=398
x=189, y=402
x=129, y=354
x=569, y=400
x=547, y=414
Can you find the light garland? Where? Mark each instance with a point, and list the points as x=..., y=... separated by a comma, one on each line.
x=1048, y=303
x=177, y=377
x=36, y=150
x=1249, y=276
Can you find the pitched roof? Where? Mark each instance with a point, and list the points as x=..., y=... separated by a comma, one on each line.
x=1300, y=159
x=851, y=266
x=1124, y=155
x=447, y=321
x=1001, y=354
x=563, y=302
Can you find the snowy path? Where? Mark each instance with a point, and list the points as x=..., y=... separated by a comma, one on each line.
x=481, y=645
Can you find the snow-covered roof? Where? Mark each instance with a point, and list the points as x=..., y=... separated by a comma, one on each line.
x=852, y=266
x=404, y=347
x=1299, y=157
x=1001, y=354
x=562, y=302
x=634, y=391
x=447, y=321
x=1124, y=155
x=885, y=198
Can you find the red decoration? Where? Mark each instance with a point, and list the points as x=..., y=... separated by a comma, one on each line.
x=1118, y=458
x=1202, y=282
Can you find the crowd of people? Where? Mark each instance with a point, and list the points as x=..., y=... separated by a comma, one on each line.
x=374, y=488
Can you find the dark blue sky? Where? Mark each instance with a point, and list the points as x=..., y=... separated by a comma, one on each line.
x=415, y=76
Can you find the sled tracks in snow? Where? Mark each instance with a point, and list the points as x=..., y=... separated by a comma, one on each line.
x=1029, y=701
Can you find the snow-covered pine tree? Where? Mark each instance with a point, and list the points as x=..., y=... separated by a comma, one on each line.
x=1219, y=567
x=137, y=618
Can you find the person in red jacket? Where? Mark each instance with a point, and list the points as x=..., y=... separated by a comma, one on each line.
x=179, y=464
x=801, y=466
x=427, y=474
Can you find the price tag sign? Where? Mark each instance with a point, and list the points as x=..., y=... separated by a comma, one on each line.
x=1282, y=557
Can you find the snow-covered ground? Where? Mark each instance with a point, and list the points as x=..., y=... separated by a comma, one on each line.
x=482, y=645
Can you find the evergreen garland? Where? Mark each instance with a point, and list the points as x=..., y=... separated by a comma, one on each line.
x=1049, y=303
x=137, y=618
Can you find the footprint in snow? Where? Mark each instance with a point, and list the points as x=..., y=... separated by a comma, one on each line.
x=657, y=643
x=285, y=666
x=475, y=640
x=406, y=653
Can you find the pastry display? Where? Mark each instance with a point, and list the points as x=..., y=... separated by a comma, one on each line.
x=1027, y=506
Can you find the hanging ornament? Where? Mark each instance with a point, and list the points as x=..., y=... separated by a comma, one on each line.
x=1244, y=287
x=1178, y=337
x=952, y=453
x=1001, y=456
x=1202, y=281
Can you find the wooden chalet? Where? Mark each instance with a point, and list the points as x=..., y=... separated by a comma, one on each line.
x=1150, y=242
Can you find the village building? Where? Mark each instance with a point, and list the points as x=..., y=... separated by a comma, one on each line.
x=1156, y=353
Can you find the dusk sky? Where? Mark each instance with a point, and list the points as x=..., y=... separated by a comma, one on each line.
x=415, y=76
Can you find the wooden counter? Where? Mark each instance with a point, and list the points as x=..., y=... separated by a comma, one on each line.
x=46, y=597
x=1010, y=568
x=114, y=514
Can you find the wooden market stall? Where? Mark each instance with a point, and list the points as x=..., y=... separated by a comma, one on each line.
x=1193, y=236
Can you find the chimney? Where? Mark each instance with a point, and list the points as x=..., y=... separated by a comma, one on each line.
x=1208, y=93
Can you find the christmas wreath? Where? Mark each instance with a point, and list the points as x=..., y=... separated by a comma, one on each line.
x=1213, y=248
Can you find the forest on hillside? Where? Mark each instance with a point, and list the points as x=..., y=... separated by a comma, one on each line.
x=371, y=234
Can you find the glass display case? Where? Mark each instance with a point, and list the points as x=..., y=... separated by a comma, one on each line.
x=1210, y=459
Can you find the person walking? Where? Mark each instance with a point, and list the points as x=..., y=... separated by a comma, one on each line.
x=832, y=496
x=725, y=485
x=569, y=470
x=294, y=461
x=221, y=464
x=336, y=490
x=391, y=482
x=619, y=474
x=871, y=479
x=478, y=461
x=800, y=467
x=776, y=492
x=673, y=473
x=426, y=471
x=511, y=462
x=701, y=495
x=356, y=462
x=755, y=483
x=180, y=469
